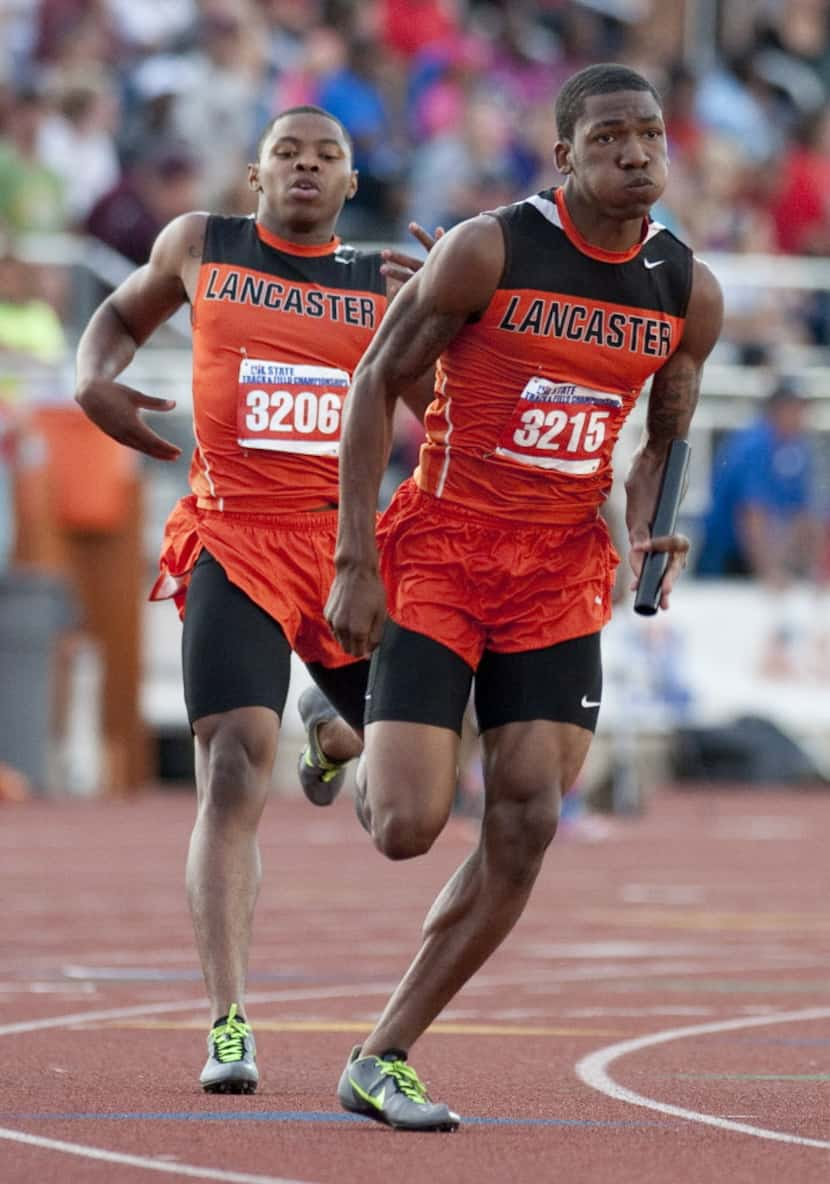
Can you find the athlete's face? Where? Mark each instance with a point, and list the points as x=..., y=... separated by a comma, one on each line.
x=617, y=159
x=304, y=173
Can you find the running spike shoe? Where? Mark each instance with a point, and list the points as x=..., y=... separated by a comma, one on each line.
x=231, y=1064
x=320, y=778
x=389, y=1090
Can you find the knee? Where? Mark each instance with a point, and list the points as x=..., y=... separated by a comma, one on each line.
x=403, y=834
x=517, y=831
x=234, y=780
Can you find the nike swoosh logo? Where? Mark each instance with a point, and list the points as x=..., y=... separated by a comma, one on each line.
x=586, y=702
x=653, y=263
x=378, y=1100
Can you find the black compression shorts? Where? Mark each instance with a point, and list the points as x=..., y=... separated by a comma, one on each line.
x=235, y=655
x=414, y=679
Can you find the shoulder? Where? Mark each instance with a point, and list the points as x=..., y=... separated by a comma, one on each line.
x=182, y=238
x=706, y=288
x=704, y=314
x=464, y=268
x=477, y=242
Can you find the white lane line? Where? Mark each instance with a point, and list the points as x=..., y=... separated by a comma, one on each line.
x=288, y=995
x=198, y=1005
x=141, y=1161
x=592, y=1070
x=115, y=1013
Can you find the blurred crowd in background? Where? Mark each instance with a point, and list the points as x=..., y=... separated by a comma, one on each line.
x=116, y=116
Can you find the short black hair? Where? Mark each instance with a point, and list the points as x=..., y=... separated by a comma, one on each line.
x=306, y=109
x=603, y=79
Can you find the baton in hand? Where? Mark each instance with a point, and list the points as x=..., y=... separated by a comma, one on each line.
x=647, y=597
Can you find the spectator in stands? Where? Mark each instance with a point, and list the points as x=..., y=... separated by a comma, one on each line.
x=800, y=208
x=129, y=217
x=32, y=195
x=457, y=175
x=77, y=140
x=358, y=94
x=762, y=522
x=74, y=35
x=735, y=100
x=409, y=25
x=798, y=31
x=32, y=345
x=224, y=100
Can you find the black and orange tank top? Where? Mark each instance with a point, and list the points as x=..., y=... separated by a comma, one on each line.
x=278, y=330
x=531, y=397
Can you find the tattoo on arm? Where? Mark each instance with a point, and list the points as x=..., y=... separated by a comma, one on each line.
x=673, y=400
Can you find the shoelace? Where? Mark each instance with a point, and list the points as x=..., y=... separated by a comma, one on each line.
x=229, y=1038
x=406, y=1078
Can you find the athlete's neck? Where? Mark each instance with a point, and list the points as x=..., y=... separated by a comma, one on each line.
x=600, y=229
x=303, y=234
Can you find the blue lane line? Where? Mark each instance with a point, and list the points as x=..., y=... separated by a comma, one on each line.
x=299, y=1116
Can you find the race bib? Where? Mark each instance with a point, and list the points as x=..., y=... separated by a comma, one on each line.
x=286, y=408
x=561, y=426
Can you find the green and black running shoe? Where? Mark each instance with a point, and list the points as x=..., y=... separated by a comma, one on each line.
x=389, y=1090
x=320, y=778
x=231, y=1064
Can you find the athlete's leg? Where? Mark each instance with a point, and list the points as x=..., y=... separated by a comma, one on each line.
x=528, y=765
x=236, y=669
x=417, y=693
x=341, y=737
x=332, y=714
x=235, y=754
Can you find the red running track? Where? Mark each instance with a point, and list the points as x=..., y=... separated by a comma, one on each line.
x=661, y=1015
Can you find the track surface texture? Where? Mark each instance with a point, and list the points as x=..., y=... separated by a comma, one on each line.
x=660, y=1015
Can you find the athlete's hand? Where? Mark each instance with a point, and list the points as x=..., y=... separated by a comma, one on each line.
x=356, y=610
x=676, y=545
x=398, y=267
x=114, y=408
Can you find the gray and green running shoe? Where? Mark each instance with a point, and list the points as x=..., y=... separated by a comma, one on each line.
x=389, y=1090
x=320, y=778
x=231, y=1064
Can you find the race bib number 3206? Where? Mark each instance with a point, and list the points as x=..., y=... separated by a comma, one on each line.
x=561, y=426
x=287, y=408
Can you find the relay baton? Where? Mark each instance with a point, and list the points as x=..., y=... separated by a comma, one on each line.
x=647, y=597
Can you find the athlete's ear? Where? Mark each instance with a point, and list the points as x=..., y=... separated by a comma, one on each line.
x=352, y=190
x=253, y=178
x=562, y=156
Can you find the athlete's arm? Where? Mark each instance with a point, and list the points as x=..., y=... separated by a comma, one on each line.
x=398, y=268
x=671, y=405
x=125, y=320
x=458, y=279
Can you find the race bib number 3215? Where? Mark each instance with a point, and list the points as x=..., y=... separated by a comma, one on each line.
x=287, y=408
x=562, y=427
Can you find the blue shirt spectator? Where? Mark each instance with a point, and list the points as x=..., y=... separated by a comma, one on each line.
x=761, y=519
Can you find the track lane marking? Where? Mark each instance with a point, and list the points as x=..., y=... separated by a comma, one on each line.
x=287, y=995
x=141, y=1161
x=592, y=1071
